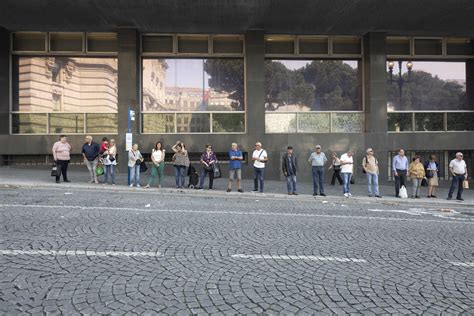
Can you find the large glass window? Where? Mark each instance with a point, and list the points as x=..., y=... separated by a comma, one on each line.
x=60, y=91
x=190, y=86
x=312, y=85
x=302, y=88
x=427, y=86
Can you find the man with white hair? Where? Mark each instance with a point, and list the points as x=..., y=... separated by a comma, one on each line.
x=458, y=169
x=90, y=152
x=235, y=167
x=370, y=166
x=259, y=157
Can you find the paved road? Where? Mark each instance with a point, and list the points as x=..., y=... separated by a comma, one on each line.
x=88, y=251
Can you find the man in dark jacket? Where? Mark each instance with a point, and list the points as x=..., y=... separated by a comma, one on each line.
x=289, y=166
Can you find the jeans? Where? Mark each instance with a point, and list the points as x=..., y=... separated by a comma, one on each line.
x=318, y=178
x=291, y=184
x=336, y=175
x=62, y=169
x=156, y=171
x=109, y=169
x=400, y=180
x=416, y=185
x=179, y=174
x=457, y=182
x=134, y=175
x=373, y=179
x=202, y=177
x=258, y=177
x=346, y=186
x=92, y=166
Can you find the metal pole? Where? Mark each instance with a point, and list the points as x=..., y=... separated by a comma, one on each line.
x=129, y=131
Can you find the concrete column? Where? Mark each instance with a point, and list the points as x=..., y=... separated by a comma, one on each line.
x=255, y=81
x=375, y=82
x=4, y=81
x=128, y=83
x=255, y=91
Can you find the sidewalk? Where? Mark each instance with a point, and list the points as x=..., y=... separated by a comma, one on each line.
x=40, y=177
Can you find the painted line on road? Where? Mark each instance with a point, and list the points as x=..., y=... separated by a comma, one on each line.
x=103, y=208
x=295, y=257
x=88, y=253
x=463, y=264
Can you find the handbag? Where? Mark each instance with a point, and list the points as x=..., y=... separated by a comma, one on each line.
x=216, y=170
x=429, y=174
x=424, y=183
x=465, y=184
x=99, y=170
x=54, y=170
x=143, y=166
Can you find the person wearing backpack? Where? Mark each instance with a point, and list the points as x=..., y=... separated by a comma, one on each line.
x=370, y=166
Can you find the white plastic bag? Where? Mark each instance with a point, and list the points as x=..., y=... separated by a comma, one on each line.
x=403, y=192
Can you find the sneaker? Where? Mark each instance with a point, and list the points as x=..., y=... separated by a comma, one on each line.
x=349, y=194
x=240, y=190
x=378, y=196
x=198, y=188
x=96, y=182
x=131, y=185
x=315, y=194
x=147, y=186
x=255, y=190
x=460, y=199
x=322, y=194
x=346, y=195
x=294, y=193
x=370, y=195
x=138, y=185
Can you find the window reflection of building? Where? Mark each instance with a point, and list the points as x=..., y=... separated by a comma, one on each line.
x=157, y=96
x=66, y=84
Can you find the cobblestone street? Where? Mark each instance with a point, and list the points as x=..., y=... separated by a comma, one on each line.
x=88, y=251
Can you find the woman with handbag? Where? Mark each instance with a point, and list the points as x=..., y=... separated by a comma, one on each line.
x=336, y=167
x=135, y=158
x=416, y=171
x=110, y=162
x=62, y=156
x=431, y=170
x=208, y=158
x=180, y=163
x=158, y=159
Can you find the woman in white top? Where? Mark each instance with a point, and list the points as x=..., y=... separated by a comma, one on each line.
x=134, y=156
x=158, y=159
x=110, y=161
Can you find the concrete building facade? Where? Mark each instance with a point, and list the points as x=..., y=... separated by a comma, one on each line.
x=81, y=74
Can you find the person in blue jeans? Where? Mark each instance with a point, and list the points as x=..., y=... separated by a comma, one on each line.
x=180, y=163
x=458, y=169
x=318, y=159
x=289, y=166
x=347, y=168
x=134, y=160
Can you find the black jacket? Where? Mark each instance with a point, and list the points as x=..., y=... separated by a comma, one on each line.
x=285, y=166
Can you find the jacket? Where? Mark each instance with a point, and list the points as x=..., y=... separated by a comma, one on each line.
x=285, y=165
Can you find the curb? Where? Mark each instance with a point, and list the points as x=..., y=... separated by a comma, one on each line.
x=246, y=195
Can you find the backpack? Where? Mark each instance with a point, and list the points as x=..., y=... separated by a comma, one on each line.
x=367, y=161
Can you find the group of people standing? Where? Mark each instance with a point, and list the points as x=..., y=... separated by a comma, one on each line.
x=342, y=167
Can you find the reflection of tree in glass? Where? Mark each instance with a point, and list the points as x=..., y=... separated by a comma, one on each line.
x=427, y=92
x=319, y=86
x=227, y=75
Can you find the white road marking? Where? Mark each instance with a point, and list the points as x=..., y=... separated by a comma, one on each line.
x=463, y=264
x=295, y=257
x=103, y=208
x=88, y=253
